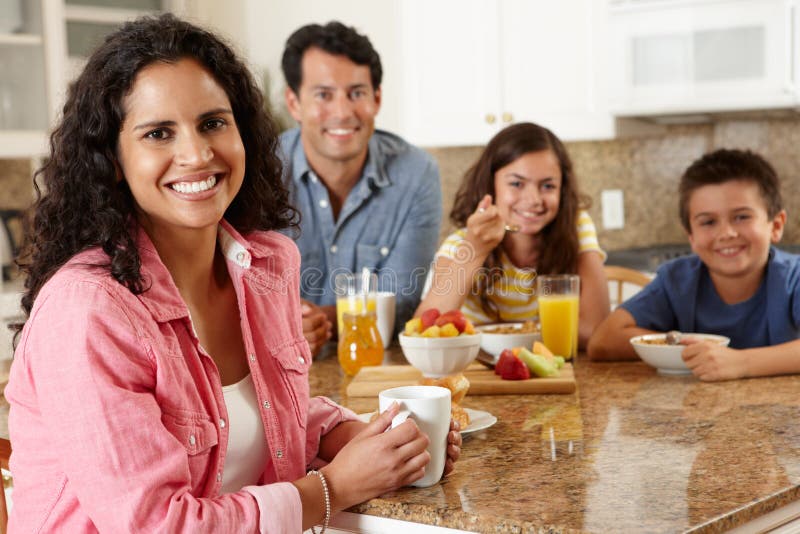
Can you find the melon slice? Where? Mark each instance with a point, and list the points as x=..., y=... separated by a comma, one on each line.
x=540, y=348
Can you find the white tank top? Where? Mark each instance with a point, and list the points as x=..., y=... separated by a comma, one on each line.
x=247, y=445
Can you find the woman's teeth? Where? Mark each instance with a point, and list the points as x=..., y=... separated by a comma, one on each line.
x=194, y=187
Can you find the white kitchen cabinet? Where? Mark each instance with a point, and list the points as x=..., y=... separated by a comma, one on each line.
x=266, y=24
x=702, y=56
x=87, y=22
x=471, y=67
x=30, y=75
x=42, y=45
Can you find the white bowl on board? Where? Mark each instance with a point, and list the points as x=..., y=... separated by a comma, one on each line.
x=495, y=343
x=440, y=356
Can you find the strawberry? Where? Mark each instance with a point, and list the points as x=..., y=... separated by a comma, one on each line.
x=455, y=317
x=429, y=317
x=505, y=360
x=515, y=370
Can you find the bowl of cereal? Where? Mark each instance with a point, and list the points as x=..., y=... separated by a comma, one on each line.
x=654, y=350
x=495, y=338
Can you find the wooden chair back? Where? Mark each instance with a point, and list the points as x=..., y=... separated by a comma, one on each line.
x=619, y=276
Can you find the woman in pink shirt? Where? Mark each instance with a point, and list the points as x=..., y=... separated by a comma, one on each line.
x=160, y=383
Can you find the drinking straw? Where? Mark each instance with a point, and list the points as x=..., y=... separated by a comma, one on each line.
x=364, y=288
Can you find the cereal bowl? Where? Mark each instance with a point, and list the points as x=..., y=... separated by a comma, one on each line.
x=495, y=338
x=440, y=356
x=653, y=349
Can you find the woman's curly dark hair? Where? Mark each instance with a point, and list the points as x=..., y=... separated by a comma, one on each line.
x=559, y=244
x=85, y=205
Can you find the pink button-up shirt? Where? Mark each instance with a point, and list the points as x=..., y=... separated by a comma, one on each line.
x=118, y=421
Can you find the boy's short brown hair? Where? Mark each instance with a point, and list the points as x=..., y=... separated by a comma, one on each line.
x=726, y=165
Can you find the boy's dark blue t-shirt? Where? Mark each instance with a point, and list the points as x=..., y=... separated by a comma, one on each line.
x=682, y=297
x=744, y=322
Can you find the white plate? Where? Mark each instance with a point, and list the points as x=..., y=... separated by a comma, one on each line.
x=478, y=420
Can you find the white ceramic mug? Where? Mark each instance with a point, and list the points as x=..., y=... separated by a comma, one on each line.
x=385, y=302
x=429, y=407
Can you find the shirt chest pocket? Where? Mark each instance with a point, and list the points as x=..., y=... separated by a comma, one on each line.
x=294, y=362
x=198, y=435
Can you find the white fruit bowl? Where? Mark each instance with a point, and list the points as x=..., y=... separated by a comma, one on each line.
x=494, y=344
x=440, y=356
x=667, y=358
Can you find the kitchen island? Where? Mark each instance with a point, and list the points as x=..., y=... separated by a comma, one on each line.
x=629, y=451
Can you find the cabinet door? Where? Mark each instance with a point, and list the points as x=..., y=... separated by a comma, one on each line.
x=450, y=72
x=23, y=90
x=551, y=56
x=87, y=22
x=703, y=56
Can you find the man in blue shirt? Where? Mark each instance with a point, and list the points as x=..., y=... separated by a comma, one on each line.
x=366, y=197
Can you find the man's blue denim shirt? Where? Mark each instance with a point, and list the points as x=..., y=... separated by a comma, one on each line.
x=389, y=222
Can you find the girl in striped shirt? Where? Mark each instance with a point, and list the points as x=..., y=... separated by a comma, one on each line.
x=519, y=214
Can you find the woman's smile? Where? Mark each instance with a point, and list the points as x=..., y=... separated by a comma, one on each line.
x=179, y=149
x=192, y=187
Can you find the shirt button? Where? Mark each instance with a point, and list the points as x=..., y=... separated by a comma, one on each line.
x=301, y=359
x=240, y=257
x=313, y=177
x=192, y=440
x=384, y=251
x=252, y=357
x=219, y=476
x=267, y=405
x=334, y=248
x=323, y=203
x=279, y=453
x=222, y=423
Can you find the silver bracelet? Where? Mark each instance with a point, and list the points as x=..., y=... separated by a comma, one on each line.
x=327, y=501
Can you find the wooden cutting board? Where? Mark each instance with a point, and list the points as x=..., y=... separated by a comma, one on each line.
x=370, y=381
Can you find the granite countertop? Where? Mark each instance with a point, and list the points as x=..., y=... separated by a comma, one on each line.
x=630, y=450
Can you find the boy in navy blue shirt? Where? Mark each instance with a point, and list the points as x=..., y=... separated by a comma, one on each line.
x=735, y=284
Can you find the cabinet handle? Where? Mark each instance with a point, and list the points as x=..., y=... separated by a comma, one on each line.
x=508, y=117
x=490, y=118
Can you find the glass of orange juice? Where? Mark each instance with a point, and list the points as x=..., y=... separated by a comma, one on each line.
x=558, y=297
x=350, y=294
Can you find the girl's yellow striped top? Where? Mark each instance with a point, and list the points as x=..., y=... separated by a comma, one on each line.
x=515, y=294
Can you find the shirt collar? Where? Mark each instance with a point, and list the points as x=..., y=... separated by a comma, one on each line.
x=374, y=171
x=161, y=296
x=373, y=175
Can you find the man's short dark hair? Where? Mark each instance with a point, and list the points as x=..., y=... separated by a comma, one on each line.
x=726, y=165
x=334, y=38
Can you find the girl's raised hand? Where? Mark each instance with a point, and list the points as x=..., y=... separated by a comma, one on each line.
x=485, y=227
x=377, y=461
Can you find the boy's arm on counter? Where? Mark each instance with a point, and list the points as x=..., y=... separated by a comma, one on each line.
x=610, y=340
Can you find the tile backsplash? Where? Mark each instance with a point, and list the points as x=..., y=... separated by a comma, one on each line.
x=16, y=189
x=647, y=168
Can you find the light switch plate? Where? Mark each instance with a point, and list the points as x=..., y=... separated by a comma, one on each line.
x=613, y=204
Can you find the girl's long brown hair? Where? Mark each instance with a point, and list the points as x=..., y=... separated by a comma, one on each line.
x=559, y=239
